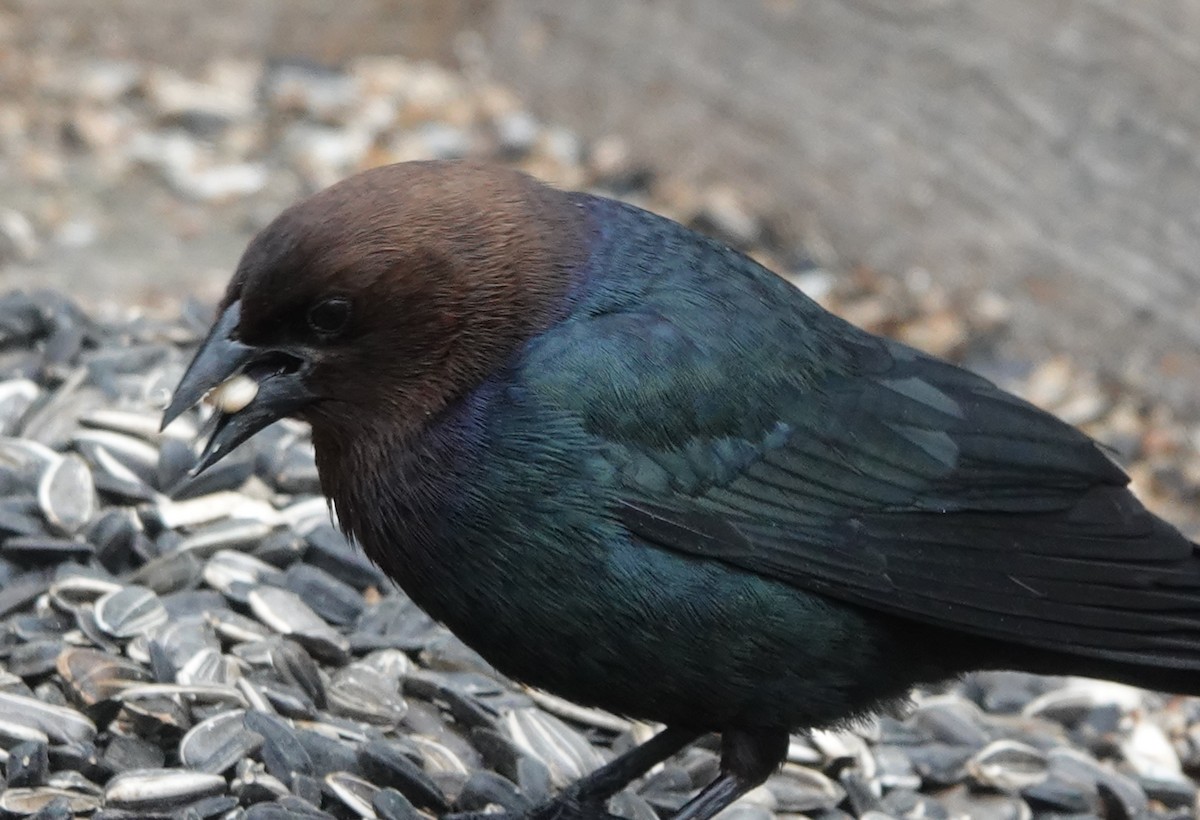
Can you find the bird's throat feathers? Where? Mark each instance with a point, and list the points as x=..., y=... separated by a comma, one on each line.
x=416, y=482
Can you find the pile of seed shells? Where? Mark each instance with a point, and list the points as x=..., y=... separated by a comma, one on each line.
x=212, y=647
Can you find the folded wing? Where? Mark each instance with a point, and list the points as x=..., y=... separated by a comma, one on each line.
x=900, y=483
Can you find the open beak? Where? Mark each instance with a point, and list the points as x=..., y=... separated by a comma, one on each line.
x=249, y=386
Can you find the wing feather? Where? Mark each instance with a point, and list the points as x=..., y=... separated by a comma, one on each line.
x=772, y=437
x=933, y=495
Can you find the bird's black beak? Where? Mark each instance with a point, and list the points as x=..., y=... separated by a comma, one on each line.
x=249, y=386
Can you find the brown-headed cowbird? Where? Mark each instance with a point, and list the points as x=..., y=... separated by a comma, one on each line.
x=631, y=466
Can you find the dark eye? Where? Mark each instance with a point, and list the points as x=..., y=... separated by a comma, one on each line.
x=330, y=317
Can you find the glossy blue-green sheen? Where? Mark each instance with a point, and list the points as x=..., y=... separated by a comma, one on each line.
x=513, y=543
x=701, y=499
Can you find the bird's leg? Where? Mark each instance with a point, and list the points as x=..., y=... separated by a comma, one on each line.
x=747, y=759
x=594, y=789
x=625, y=768
x=585, y=798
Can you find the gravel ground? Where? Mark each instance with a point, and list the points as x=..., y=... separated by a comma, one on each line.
x=213, y=647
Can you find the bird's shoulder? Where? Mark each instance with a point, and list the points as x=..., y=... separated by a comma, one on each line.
x=696, y=369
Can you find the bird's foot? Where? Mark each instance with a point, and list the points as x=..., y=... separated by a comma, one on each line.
x=566, y=806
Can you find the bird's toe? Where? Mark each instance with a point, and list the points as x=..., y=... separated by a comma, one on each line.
x=564, y=807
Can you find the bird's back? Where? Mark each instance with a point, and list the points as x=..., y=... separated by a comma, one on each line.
x=745, y=425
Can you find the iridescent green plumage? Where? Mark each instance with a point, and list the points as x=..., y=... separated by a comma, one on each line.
x=628, y=464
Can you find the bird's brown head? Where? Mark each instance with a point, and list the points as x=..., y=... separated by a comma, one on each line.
x=370, y=306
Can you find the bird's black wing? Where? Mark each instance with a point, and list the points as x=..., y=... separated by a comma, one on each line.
x=891, y=480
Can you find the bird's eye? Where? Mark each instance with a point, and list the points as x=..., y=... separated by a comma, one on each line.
x=329, y=317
